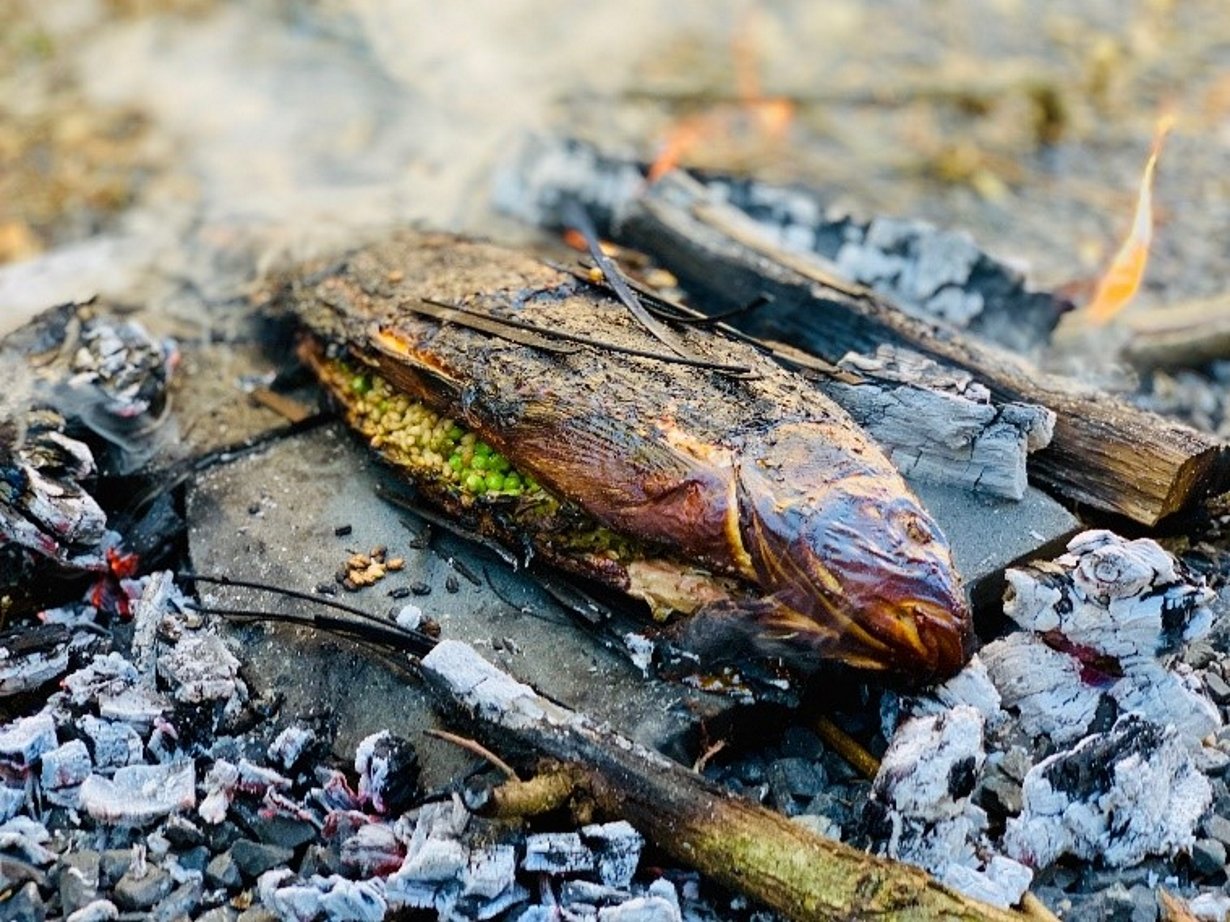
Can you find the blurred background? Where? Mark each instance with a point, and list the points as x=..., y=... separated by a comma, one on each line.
x=165, y=151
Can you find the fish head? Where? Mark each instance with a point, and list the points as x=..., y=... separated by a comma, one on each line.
x=853, y=566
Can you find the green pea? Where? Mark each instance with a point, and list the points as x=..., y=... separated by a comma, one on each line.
x=455, y=432
x=500, y=463
x=512, y=490
x=512, y=481
x=475, y=483
x=480, y=462
x=454, y=461
x=482, y=448
x=360, y=384
x=495, y=482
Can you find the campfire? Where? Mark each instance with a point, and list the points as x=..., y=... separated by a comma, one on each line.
x=675, y=535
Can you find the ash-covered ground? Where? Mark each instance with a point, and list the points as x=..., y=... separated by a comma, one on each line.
x=159, y=763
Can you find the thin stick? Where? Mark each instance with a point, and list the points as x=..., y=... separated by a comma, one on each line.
x=280, y=590
x=1034, y=908
x=478, y=749
x=595, y=343
x=699, y=765
x=846, y=746
x=575, y=215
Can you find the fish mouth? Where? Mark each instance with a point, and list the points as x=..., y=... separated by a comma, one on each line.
x=931, y=639
x=921, y=639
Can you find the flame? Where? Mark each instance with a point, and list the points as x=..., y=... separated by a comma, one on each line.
x=1122, y=280
x=769, y=117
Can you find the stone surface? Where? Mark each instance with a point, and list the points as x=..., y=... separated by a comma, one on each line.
x=79, y=873
x=305, y=487
x=1208, y=857
x=988, y=534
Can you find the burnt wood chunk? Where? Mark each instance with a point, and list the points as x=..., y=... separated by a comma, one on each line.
x=941, y=426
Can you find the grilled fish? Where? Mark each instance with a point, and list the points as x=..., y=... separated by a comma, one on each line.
x=750, y=502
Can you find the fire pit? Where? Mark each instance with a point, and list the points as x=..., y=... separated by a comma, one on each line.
x=305, y=619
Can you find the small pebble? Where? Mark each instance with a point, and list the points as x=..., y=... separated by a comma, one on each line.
x=136, y=893
x=1208, y=857
x=420, y=588
x=1218, y=827
x=343, y=530
x=1217, y=687
x=451, y=584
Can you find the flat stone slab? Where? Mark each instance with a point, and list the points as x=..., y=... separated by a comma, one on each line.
x=988, y=534
x=273, y=517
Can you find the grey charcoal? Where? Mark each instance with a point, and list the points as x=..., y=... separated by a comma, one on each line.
x=142, y=892
x=223, y=872
x=255, y=858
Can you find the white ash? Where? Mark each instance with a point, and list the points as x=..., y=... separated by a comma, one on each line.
x=1105, y=621
x=1044, y=687
x=107, y=673
x=258, y=779
x=1213, y=907
x=1120, y=598
x=373, y=849
x=136, y=705
x=921, y=808
x=148, y=610
x=137, y=795
x=73, y=615
x=12, y=801
x=32, y=657
x=23, y=740
x=388, y=771
x=617, y=847
x=220, y=783
x=200, y=668
x=409, y=617
x=112, y=744
x=64, y=770
x=1118, y=796
x=332, y=898
x=972, y=686
x=95, y=911
x=289, y=746
x=640, y=650
x=557, y=853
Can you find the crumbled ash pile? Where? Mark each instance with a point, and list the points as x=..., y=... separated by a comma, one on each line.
x=1090, y=733
x=149, y=786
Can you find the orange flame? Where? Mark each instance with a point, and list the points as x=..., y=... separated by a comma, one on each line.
x=767, y=116
x=1122, y=280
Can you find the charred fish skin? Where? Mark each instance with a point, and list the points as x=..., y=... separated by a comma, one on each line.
x=759, y=479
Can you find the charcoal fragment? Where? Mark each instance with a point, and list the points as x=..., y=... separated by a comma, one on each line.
x=222, y=872
x=255, y=858
x=141, y=891
x=388, y=768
